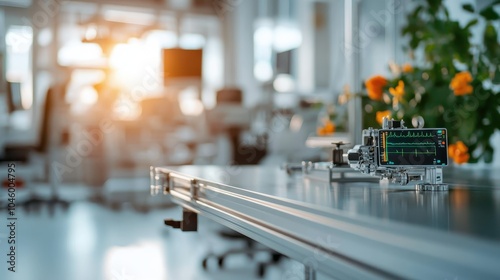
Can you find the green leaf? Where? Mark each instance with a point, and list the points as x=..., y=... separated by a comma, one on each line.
x=471, y=23
x=414, y=42
x=490, y=41
x=468, y=126
x=473, y=159
x=489, y=13
x=444, y=43
x=496, y=77
x=488, y=154
x=417, y=11
x=468, y=7
x=434, y=5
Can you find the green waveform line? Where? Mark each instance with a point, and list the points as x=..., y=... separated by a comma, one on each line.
x=411, y=134
x=416, y=152
x=402, y=153
x=411, y=144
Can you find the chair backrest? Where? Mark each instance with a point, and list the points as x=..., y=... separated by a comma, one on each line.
x=229, y=111
x=45, y=125
x=229, y=95
x=53, y=100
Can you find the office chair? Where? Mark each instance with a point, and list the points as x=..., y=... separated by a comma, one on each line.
x=233, y=96
x=230, y=117
x=251, y=249
x=21, y=154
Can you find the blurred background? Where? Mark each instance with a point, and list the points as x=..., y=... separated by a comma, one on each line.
x=92, y=93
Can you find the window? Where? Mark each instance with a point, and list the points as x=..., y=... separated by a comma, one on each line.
x=18, y=40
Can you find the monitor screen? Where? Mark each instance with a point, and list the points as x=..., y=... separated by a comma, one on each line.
x=182, y=63
x=404, y=147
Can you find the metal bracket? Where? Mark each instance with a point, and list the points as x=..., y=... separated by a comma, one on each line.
x=155, y=180
x=166, y=184
x=335, y=173
x=189, y=221
x=433, y=180
x=194, y=189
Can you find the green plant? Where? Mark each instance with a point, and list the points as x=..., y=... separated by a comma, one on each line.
x=455, y=86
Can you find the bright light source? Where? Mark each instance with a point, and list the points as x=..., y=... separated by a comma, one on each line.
x=284, y=83
x=128, y=56
x=129, y=62
x=263, y=35
x=136, y=67
x=161, y=39
x=191, y=107
x=118, y=56
x=19, y=38
x=81, y=78
x=133, y=17
x=263, y=71
x=133, y=40
x=286, y=37
x=189, y=103
x=18, y=61
x=76, y=52
x=263, y=40
x=91, y=32
x=282, y=35
x=192, y=41
x=88, y=96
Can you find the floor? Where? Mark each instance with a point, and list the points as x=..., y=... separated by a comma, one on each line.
x=119, y=241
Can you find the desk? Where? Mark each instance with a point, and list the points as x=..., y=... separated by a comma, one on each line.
x=352, y=230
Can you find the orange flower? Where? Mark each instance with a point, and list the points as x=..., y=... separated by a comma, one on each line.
x=381, y=114
x=407, y=68
x=328, y=128
x=375, y=86
x=399, y=91
x=459, y=152
x=460, y=83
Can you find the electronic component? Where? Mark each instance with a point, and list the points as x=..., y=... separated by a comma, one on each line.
x=402, y=147
x=403, y=155
x=337, y=170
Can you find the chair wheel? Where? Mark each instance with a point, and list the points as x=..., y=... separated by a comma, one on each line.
x=261, y=270
x=221, y=262
x=204, y=263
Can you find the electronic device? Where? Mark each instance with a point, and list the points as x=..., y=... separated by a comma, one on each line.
x=403, y=155
x=182, y=64
x=335, y=171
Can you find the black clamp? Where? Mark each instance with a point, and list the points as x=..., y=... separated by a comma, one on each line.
x=189, y=221
x=338, y=154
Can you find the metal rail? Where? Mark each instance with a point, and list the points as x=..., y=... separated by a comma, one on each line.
x=327, y=240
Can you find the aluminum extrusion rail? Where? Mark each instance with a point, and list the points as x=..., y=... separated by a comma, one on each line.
x=328, y=240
